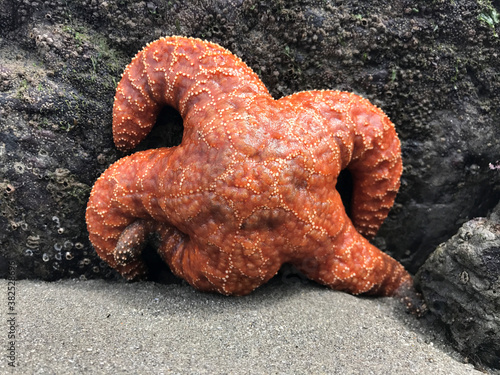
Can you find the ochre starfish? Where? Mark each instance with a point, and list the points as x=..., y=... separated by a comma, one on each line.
x=252, y=185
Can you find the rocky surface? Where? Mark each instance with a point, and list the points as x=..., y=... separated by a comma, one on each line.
x=431, y=66
x=461, y=285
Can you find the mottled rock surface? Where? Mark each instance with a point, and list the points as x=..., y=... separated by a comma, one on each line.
x=431, y=66
x=461, y=285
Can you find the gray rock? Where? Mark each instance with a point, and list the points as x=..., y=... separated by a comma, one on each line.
x=431, y=66
x=461, y=285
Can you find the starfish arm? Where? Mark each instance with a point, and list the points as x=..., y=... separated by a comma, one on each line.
x=376, y=167
x=356, y=266
x=186, y=73
x=123, y=210
x=352, y=264
x=364, y=141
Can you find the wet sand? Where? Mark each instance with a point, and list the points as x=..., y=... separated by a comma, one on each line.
x=103, y=327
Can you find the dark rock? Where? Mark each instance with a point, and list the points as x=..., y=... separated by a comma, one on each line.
x=432, y=68
x=461, y=285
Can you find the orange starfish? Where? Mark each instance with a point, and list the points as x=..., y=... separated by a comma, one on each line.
x=252, y=185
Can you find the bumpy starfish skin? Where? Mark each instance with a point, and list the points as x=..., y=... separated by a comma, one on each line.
x=252, y=185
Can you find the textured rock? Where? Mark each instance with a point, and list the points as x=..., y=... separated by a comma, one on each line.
x=431, y=66
x=461, y=285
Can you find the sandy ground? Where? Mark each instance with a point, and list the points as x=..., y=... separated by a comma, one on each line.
x=102, y=327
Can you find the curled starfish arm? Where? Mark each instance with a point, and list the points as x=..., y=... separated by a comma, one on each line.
x=187, y=74
x=376, y=167
x=123, y=211
x=363, y=140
